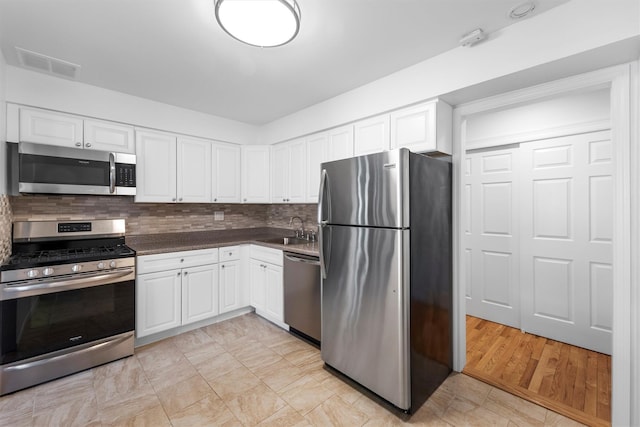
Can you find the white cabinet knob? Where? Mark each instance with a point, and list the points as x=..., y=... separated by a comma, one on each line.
x=78, y=144
x=88, y=144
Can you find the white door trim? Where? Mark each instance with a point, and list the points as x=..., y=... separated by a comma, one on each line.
x=620, y=80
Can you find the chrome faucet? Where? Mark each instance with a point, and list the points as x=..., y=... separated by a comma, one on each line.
x=299, y=231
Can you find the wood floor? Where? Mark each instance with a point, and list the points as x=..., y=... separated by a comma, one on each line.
x=569, y=380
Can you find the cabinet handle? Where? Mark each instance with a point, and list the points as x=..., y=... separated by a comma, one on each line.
x=245, y=200
x=180, y=199
x=222, y=266
x=215, y=200
x=88, y=144
x=78, y=144
x=173, y=200
x=186, y=272
x=179, y=273
x=230, y=253
x=182, y=260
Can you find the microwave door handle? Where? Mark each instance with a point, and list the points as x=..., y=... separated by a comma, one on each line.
x=112, y=173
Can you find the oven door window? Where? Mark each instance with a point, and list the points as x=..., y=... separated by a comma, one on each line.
x=60, y=170
x=37, y=325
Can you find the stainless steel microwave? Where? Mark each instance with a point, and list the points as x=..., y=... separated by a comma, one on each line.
x=38, y=168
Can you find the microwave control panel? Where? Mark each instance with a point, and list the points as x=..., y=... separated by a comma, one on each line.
x=125, y=175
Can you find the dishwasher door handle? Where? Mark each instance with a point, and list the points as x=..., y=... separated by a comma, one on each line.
x=312, y=261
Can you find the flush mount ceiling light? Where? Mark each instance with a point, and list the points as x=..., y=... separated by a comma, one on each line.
x=522, y=10
x=262, y=23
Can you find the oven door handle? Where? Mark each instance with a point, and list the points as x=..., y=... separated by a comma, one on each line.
x=27, y=290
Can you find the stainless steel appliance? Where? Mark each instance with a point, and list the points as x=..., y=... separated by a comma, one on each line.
x=38, y=168
x=302, y=295
x=385, y=254
x=67, y=300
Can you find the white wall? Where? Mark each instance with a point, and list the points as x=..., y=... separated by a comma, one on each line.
x=569, y=29
x=41, y=90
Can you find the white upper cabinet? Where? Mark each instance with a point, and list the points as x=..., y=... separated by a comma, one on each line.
x=255, y=173
x=371, y=135
x=108, y=136
x=156, y=167
x=66, y=130
x=423, y=128
x=46, y=127
x=193, y=177
x=288, y=172
x=317, y=152
x=340, y=143
x=225, y=176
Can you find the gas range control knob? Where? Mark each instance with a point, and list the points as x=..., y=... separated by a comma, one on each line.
x=47, y=271
x=112, y=264
x=32, y=273
x=101, y=265
x=76, y=268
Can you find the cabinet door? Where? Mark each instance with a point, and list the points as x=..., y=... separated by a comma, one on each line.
x=156, y=167
x=414, y=128
x=274, y=305
x=255, y=174
x=317, y=152
x=257, y=279
x=157, y=302
x=230, y=296
x=46, y=127
x=193, y=176
x=226, y=173
x=279, y=173
x=199, y=293
x=297, y=176
x=371, y=135
x=340, y=142
x=108, y=136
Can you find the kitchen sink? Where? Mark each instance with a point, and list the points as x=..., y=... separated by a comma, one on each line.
x=285, y=240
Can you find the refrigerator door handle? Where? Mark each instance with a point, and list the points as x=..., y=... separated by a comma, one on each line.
x=321, y=198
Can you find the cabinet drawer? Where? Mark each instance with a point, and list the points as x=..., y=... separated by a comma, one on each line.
x=229, y=253
x=168, y=261
x=272, y=256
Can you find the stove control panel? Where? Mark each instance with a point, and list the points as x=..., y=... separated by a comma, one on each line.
x=47, y=273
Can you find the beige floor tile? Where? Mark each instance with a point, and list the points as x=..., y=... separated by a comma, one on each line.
x=158, y=355
x=289, y=346
x=17, y=405
x=126, y=406
x=440, y=400
x=463, y=412
x=153, y=417
x=337, y=412
x=210, y=411
x=279, y=375
x=464, y=386
x=217, y=366
x=425, y=416
x=305, y=394
x=63, y=390
x=81, y=411
x=257, y=356
x=241, y=344
x=520, y=411
x=556, y=420
x=234, y=383
x=346, y=391
x=373, y=407
x=255, y=405
x=184, y=394
x=285, y=417
x=204, y=353
x=192, y=340
x=161, y=378
x=303, y=356
x=16, y=420
x=120, y=379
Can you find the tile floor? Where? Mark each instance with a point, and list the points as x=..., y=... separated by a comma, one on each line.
x=246, y=372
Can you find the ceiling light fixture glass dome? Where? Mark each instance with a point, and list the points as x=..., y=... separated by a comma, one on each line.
x=262, y=23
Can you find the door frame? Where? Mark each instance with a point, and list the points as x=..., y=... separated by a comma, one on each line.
x=622, y=82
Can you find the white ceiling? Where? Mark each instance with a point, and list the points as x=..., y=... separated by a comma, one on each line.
x=174, y=52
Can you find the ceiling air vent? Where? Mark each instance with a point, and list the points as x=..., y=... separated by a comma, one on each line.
x=47, y=64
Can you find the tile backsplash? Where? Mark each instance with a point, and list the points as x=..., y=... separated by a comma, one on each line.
x=5, y=227
x=153, y=218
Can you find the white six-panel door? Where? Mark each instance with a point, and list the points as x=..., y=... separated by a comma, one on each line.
x=566, y=234
x=491, y=236
x=538, y=227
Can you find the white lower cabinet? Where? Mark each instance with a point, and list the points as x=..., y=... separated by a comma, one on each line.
x=232, y=295
x=175, y=289
x=265, y=277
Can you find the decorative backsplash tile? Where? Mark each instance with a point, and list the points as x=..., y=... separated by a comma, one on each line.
x=5, y=227
x=153, y=218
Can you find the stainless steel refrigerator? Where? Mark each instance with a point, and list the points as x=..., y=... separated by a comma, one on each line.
x=386, y=266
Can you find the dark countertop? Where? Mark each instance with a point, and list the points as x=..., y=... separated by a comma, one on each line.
x=150, y=244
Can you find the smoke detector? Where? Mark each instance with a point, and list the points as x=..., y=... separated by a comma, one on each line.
x=472, y=38
x=47, y=64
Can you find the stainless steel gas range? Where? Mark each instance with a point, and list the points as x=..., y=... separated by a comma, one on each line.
x=67, y=300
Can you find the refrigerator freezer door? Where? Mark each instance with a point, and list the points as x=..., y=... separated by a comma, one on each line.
x=367, y=191
x=365, y=308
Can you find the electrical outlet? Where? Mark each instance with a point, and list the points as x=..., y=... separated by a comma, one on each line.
x=218, y=216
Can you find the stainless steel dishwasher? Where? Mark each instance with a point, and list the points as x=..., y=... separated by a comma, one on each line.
x=302, y=295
